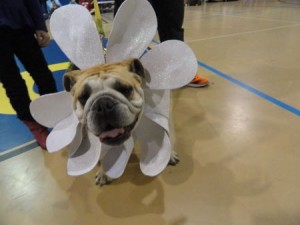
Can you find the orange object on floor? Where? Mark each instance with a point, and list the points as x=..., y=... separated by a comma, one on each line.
x=198, y=81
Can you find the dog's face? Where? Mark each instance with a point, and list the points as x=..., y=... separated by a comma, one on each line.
x=108, y=98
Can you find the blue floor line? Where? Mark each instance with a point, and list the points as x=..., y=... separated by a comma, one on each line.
x=260, y=94
x=18, y=151
x=251, y=89
x=265, y=96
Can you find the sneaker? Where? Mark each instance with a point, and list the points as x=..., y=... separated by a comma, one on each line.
x=39, y=132
x=198, y=81
x=194, y=2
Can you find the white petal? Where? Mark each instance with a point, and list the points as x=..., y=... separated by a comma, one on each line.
x=116, y=159
x=74, y=145
x=171, y=64
x=133, y=29
x=63, y=133
x=74, y=30
x=86, y=157
x=49, y=109
x=155, y=147
x=159, y=119
x=157, y=106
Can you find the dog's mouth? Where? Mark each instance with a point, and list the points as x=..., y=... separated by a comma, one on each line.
x=116, y=136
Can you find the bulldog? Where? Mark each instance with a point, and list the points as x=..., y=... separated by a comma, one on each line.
x=108, y=98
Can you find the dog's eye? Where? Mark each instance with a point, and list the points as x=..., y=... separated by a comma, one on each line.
x=126, y=90
x=84, y=96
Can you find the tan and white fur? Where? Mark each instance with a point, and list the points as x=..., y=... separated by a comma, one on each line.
x=108, y=100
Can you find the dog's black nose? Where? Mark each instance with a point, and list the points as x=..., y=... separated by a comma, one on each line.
x=104, y=105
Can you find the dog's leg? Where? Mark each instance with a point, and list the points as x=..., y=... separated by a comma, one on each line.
x=102, y=179
x=174, y=159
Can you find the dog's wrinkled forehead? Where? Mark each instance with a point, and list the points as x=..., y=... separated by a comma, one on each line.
x=97, y=83
x=100, y=77
x=107, y=83
x=123, y=80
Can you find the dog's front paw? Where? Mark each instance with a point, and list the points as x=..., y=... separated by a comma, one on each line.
x=102, y=179
x=174, y=160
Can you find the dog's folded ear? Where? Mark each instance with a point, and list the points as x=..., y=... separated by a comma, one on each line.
x=137, y=67
x=70, y=79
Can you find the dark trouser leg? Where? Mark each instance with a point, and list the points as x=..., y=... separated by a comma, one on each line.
x=30, y=54
x=117, y=5
x=11, y=79
x=170, y=15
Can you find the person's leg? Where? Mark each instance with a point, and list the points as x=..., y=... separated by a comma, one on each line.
x=10, y=77
x=31, y=55
x=15, y=86
x=170, y=14
x=118, y=3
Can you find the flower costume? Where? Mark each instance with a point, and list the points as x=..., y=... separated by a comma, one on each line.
x=171, y=64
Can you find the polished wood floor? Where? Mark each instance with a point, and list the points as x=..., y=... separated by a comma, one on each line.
x=238, y=139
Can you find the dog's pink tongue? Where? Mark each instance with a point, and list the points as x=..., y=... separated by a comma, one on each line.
x=111, y=133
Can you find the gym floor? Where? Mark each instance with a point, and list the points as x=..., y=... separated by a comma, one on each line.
x=238, y=138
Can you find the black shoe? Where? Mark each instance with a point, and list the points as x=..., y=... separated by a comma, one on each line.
x=194, y=2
